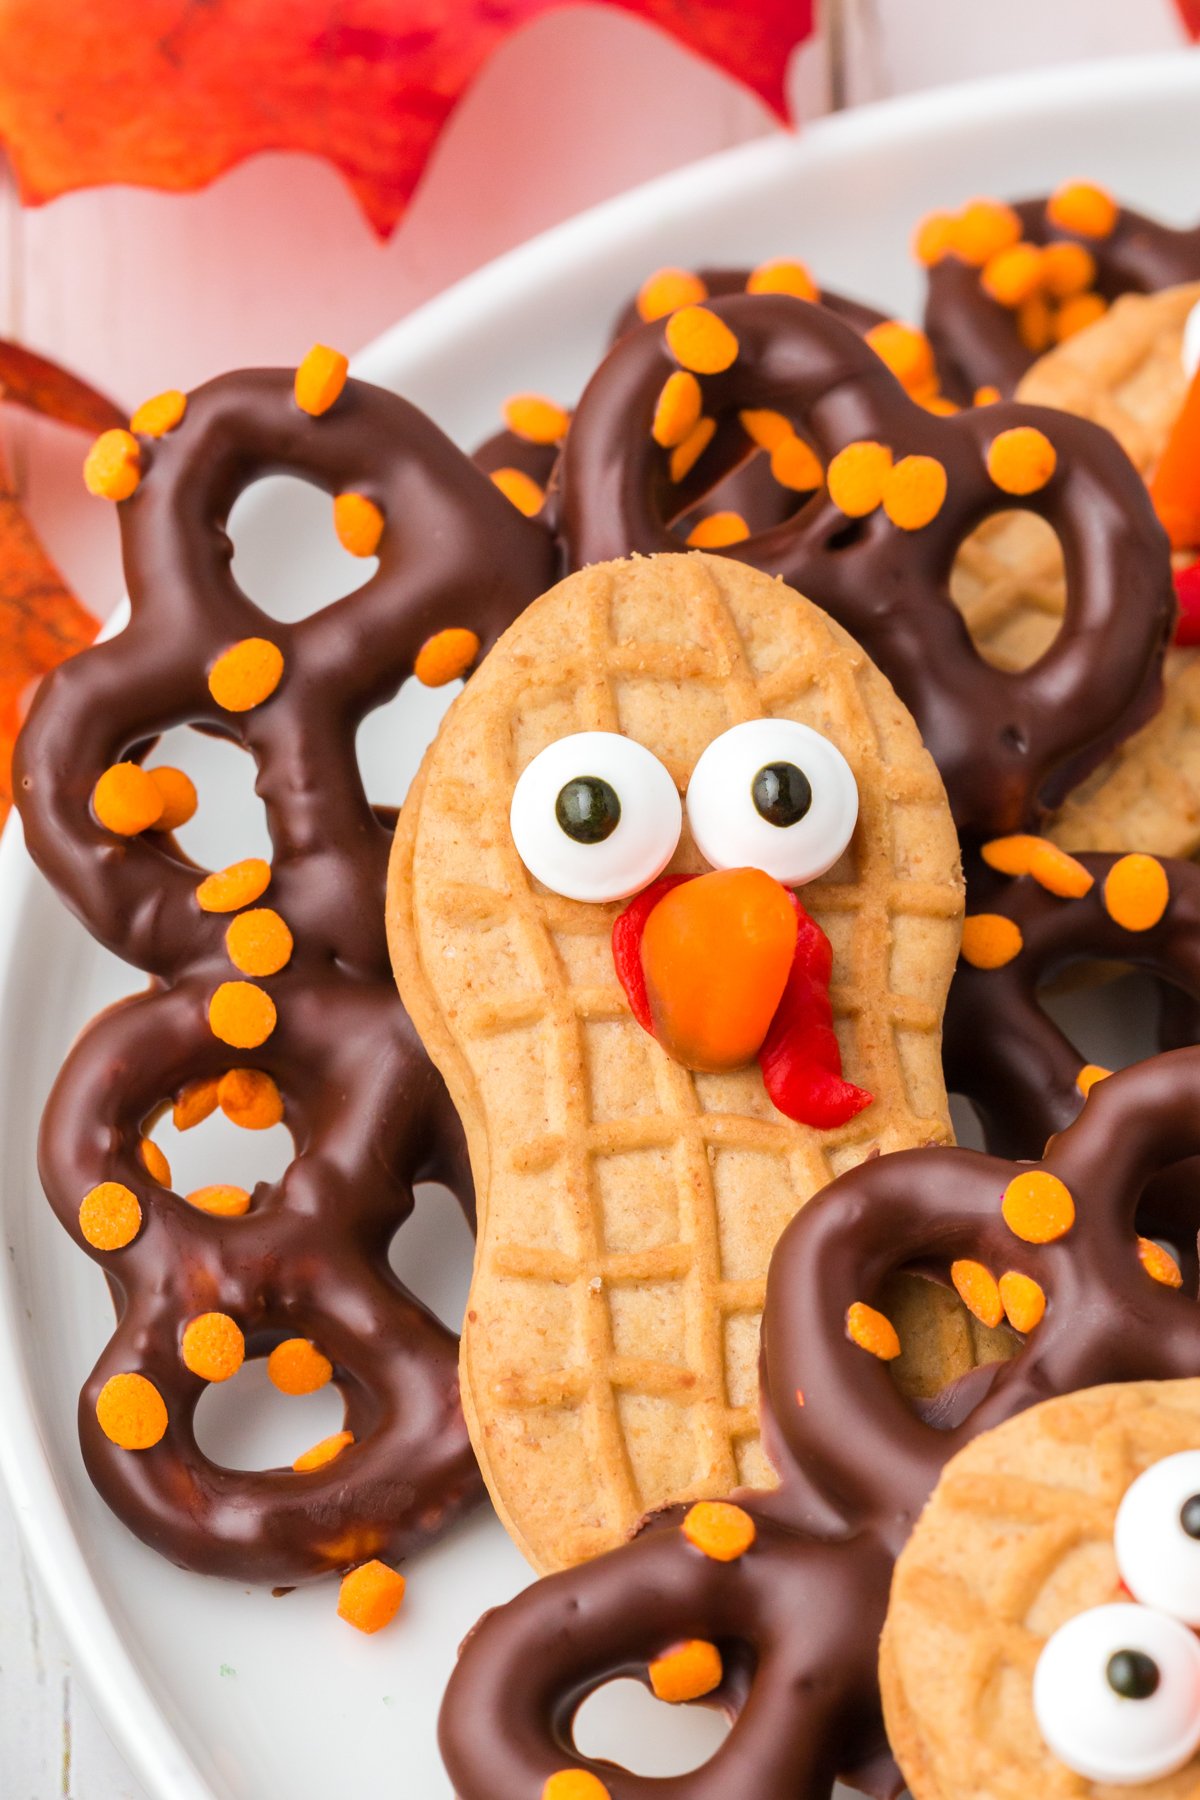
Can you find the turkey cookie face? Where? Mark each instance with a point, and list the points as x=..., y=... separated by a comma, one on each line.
x=1042, y=1631
x=629, y=1199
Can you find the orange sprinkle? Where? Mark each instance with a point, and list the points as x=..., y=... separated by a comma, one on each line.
x=1021, y=460
x=700, y=341
x=324, y=1452
x=297, y=1367
x=1076, y=315
x=110, y=1216
x=1159, y=1264
x=872, y=1332
x=783, y=277
x=113, y=466
x=678, y=410
x=241, y=1014
x=989, y=940
x=446, y=655
x=258, y=942
x=194, y=1103
x=718, y=1528
x=536, y=419
x=685, y=456
x=1067, y=270
x=155, y=1162
x=126, y=800
x=1136, y=892
x=131, y=1412
x=1012, y=275
x=249, y=1098
x=178, y=794
x=978, y=1290
x=575, y=1784
x=358, y=523
x=369, y=1597
x=768, y=429
x=856, y=477
x=940, y=406
x=521, y=489
x=225, y=890
x=220, y=1199
x=154, y=418
x=1035, y=324
x=934, y=237
x=986, y=395
x=666, y=291
x=1082, y=207
x=1050, y=867
x=320, y=380
x=984, y=227
x=1038, y=1207
x=1024, y=1301
x=246, y=674
x=687, y=1672
x=1089, y=1075
x=718, y=530
x=907, y=353
x=913, y=492
x=213, y=1346
x=795, y=465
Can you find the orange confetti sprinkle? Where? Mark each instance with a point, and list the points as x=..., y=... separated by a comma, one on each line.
x=297, y=1367
x=221, y=1199
x=445, y=656
x=178, y=794
x=856, y=477
x=370, y=1596
x=258, y=942
x=719, y=1529
x=131, y=1412
x=940, y=406
x=1067, y=270
x=324, y=1452
x=700, y=341
x=907, y=353
x=783, y=277
x=575, y=1784
x=795, y=465
x=1089, y=1075
x=718, y=530
x=914, y=491
x=246, y=674
x=320, y=380
x=872, y=1332
x=1038, y=1207
x=678, y=410
x=1035, y=324
x=1012, y=275
x=110, y=1216
x=1024, y=1301
x=1159, y=1264
x=685, y=456
x=1074, y=316
x=241, y=1014
x=226, y=890
x=986, y=395
x=978, y=1290
x=983, y=228
x=250, y=1099
x=358, y=523
x=113, y=465
x=1136, y=892
x=767, y=429
x=666, y=291
x=989, y=940
x=521, y=489
x=1084, y=208
x=934, y=237
x=194, y=1103
x=126, y=800
x=213, y=1346
x=1022, y=460
x=155, y=1162
x=536, y=419
x=1052, y=868
x=155, y=417
x=687, y=1672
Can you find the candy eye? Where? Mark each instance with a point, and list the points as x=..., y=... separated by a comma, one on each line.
x=1157, y=1536
x=773, y=795
x=1191, y=342
x=595, y=816
x=1116, y=1693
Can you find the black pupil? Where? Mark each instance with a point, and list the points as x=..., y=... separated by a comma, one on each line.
x=588, y=809
x=1189, y=1516
x=1132, y=1674
x=781, y=793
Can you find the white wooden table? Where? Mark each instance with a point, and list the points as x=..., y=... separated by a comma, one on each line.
x=144, y=291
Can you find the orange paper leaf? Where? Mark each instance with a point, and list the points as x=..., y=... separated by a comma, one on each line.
x=28, y=380
x=169, y=93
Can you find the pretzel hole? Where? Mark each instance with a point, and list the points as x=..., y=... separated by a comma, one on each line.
x=941, y=1341
x=760, y=489
x=246, y=1423
x=286, y=554
x=623, y=1722
x=1009, y=583
x=230, y=821
x=219, y=1152
x=432, y=1253
x=392, y=740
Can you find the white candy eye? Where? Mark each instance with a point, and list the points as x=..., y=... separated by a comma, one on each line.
x=773, y=795
x=1191, y=342
x=1157, y=1536
x=595, y=816
x=1116, y=1692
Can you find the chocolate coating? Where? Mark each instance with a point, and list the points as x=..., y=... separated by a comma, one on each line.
x=976, y=340
x=368, y=1113
x=1009, y=745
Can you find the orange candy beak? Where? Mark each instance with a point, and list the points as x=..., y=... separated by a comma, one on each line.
x=716, y=954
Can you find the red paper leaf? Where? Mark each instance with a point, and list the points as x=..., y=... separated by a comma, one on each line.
x=1189, y=12
x=170, y=93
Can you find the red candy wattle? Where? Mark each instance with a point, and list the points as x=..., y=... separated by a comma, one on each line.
x=1187, y=592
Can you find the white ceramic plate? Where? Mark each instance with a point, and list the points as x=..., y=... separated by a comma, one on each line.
x=214, y=1692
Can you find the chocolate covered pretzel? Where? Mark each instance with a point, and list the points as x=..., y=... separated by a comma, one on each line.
x=272, y=995
x=875, y=547
x=769, y=1606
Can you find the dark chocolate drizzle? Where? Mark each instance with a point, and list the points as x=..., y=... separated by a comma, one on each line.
x=368, y=1113
x=797, y=1617
x=1009, y=745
